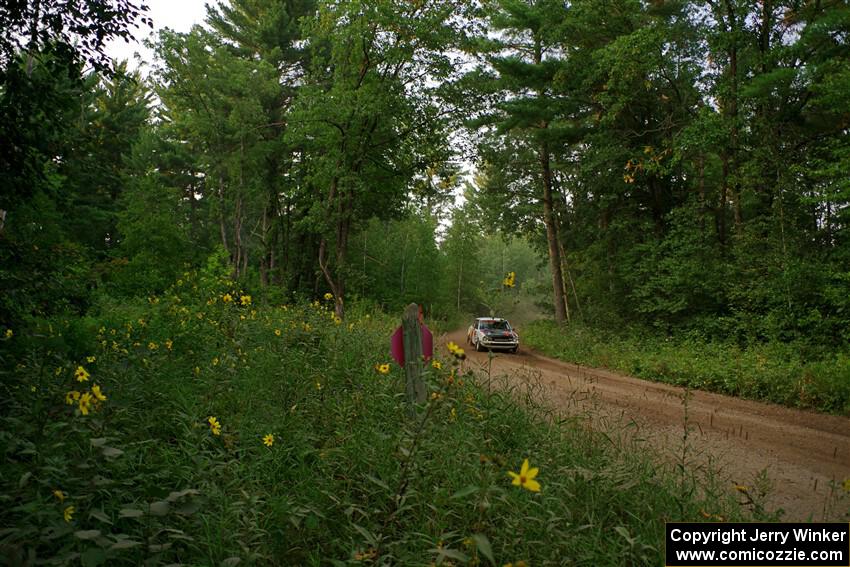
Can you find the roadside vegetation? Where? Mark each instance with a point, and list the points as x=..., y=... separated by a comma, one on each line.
x=204, y=426
x=781, y=373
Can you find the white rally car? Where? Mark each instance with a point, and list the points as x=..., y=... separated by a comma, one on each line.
x=492, y=333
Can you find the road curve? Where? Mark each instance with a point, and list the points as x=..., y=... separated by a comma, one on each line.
x=805, y=455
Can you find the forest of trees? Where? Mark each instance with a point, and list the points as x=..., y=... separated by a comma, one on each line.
x=202, y=259
x=680, y=165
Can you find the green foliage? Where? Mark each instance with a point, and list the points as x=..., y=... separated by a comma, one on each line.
x=788, y=374
x=38, y=99
x=81, y=26
x=683, y=175
x=268, y=28
x=155, y=244
x=396, y=263
x=67, y=135
x=678, y=281
x=368, y=121
x=113, y=114
x=348, y=475
x=523, y=301
x=462, y=256
x=701, y=185
x=38, y=282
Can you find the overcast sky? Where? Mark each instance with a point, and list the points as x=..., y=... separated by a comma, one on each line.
x=179, y=15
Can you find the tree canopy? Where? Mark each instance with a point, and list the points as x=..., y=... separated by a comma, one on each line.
x=678, y=165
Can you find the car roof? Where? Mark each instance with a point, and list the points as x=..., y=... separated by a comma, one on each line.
x=490, y=319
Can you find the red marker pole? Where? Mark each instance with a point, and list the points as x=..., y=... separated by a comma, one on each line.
x=411, y=345
x=397, y=344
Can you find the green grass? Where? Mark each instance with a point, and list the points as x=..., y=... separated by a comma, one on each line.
x=350, y=478
x=774, y=372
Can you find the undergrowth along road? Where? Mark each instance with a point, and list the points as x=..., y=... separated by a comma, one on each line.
x=204, y=426
x=791, y=374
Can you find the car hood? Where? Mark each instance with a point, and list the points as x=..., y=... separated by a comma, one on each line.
x=498, y=333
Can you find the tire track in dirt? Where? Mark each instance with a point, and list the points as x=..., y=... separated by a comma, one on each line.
x=805, y=455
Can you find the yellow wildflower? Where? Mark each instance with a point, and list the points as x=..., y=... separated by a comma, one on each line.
x=59, y=495
x=90, y=359
x=81, y=375
x=277, y=332
x=456, y=350
x=85, y=403
x=329, y=296
x=227, y=298
x=215, y=426
x=68, y=513
x=97, y=393
x=383, y=368
x=245, y=300
x=436, y=364
x=268, y=440
x=366, y=555
x=337, y=320
x=72, y=397
x=169, y=343
x=319, y=386
x=215, y=361
x=9, y=333
x=152, y=346
x=525, y=477
x=197, y=371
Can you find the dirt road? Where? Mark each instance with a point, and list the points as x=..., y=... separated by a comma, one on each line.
x=805, y=456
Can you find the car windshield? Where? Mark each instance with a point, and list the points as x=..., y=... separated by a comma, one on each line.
x=495, y=325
